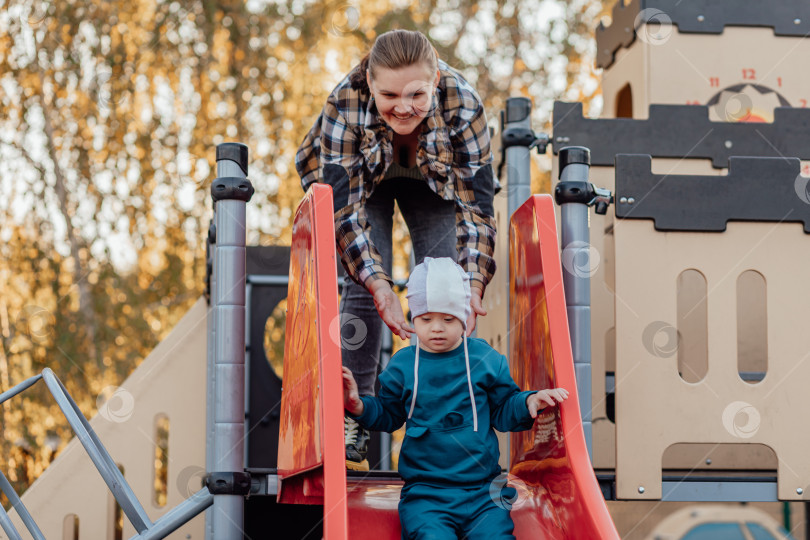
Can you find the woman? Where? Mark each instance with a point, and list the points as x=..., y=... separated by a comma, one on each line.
x=402, y=126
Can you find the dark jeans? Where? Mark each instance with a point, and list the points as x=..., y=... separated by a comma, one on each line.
x=432, y=223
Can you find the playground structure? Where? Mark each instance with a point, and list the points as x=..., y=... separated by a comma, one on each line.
x=559, y=494
x=695, y=299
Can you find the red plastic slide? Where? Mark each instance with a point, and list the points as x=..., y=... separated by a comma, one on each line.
x=558, y=495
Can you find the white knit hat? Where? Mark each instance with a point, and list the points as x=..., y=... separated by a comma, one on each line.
x=439, y=286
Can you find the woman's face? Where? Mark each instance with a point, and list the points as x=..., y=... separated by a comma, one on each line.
x=404, y=96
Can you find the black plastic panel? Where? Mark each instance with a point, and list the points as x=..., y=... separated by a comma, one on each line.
x=756, y=189
x=682, y=131
x=265, y=518
x=264, y=390
x=786, y=17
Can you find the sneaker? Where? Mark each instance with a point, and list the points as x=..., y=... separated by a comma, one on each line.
x=356, y=439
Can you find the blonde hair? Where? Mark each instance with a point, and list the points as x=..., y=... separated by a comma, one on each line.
x=393, y=50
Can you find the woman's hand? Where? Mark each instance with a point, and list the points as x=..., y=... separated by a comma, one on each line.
x=538, y=401
x=477, y=308
x=351, y=398
x=389, y=308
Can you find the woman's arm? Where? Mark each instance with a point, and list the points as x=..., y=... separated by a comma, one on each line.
x=475, y=191
x=330, y=154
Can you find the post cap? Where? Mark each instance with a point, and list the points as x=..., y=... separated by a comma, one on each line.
x=236, y=152
x=574, y=154
x=517, y=109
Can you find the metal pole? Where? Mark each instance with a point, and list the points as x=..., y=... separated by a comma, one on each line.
x=575, y=194
x=517, y=138
x=226, y=479
x=177, y=516
x=22, y=512
x=385, y=437
x=209, y=373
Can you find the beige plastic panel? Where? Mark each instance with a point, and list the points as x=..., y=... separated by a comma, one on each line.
x=171, y=382
x=630, y=69
x=693, y=68
x=655, y=407
x=492, y=328
x=602, y=300
x=681, y=70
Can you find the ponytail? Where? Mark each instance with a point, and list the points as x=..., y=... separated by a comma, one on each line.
x=357, y=78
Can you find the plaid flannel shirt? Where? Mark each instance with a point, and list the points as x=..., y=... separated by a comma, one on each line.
x=350, y=147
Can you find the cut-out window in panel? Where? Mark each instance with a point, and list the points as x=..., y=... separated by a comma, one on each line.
x=721, y=456
x=274, y=331
x=752, y=327
x=610, y=374
x=161, y=460
x=693, y=332
x=70, y=527
x=624, y=102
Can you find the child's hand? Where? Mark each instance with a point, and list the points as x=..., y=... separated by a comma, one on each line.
x=351, y=398
x=538, y=401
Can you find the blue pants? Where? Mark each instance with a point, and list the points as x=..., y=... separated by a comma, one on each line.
x=433, y=513
x=431, y=222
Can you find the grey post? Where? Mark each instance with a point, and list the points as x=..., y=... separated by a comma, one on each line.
x=516, y=139
x=209, y=370
x=575, y=194
x=226, y=478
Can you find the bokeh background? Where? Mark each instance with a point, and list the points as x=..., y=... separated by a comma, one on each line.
x=109, y=117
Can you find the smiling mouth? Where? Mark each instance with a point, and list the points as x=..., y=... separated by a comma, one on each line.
x=407, y=117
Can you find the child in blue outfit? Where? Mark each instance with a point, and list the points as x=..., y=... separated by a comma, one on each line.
x=451, y=393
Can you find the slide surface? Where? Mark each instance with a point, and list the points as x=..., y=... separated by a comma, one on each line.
x=558, y=496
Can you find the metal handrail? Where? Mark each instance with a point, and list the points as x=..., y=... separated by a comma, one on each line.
x=105, y=465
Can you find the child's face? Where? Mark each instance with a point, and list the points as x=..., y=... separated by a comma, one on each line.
x=438, y=332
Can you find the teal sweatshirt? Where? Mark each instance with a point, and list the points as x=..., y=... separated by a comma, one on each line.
x=440, y=445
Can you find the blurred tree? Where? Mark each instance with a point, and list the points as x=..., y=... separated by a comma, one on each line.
x=109, y=115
